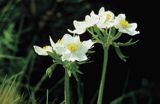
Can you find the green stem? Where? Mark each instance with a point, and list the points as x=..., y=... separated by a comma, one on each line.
x=66, y=88
x=102, y=84
x=80, y=91
x=47, y=96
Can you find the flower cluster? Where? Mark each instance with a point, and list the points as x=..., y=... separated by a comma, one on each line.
x=105, y=29
x=105, y=19
x=70, y=48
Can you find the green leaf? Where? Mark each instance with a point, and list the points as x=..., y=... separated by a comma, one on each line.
x=130, y=42
x=120, y=54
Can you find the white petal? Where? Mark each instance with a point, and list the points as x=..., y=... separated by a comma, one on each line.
x=76, y=39
x=121, y=16
x=69, y=57
x=132, y=26
x=80, y=27
x=92, y=13
x=132, y=33
x=80, y=31
x=81, y=56
x=66, y=39
x=65, y=57
x=51, y=42
x=40, y=51
x=59, y=49
x=86, y=45
x=129, y=32
x=71, y=31
x=91, y=20
x=101, y=11
x=87, y=18
x=79, y=24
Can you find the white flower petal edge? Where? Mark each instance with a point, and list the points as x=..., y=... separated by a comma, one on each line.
x=123, y=26
x=101, y=11
x=91, y=19
x=87, y=45
x=80, y=27
x=42, y=51
x=51, y=42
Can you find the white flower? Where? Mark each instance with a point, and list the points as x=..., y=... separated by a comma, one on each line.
x=80, y=27
x=106, y=18
x=124, y=26
x=42, y=51
x=91, y=19
x=72, y=49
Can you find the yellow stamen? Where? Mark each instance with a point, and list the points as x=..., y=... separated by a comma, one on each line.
x=72, y=47
x=124, y=23
x=108, y=17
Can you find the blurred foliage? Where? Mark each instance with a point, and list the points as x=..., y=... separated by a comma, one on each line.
x=9, y=92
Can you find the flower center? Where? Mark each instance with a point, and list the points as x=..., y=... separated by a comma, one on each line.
x=124, y=23
x=108, y=17
x=72, y=47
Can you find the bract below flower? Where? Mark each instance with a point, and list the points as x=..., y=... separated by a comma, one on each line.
x=72, y=49
x=124, y=26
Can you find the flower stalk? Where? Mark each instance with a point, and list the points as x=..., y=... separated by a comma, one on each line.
x=66, y=88
x=103, y=77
